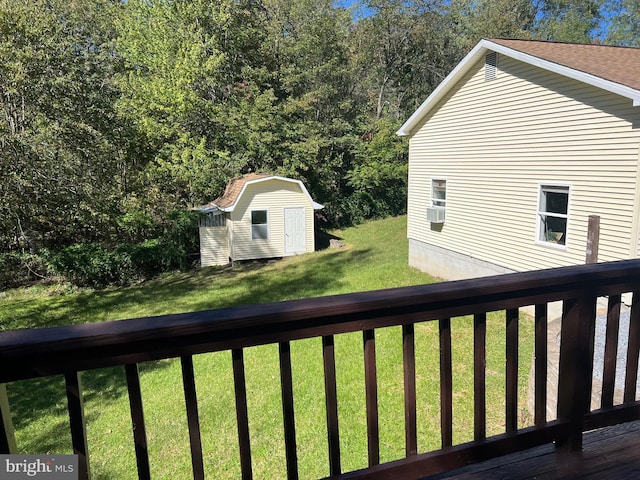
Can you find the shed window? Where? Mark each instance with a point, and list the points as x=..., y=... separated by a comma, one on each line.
x=259, y=226
x=213, y=219
x=553, y=213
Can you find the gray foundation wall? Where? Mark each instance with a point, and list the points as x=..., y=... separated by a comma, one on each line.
x=450, y=265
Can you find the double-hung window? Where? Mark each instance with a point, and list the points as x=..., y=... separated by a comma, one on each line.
x=436, y=210
x=438, y=193
x=553, y=212
x=259, y=225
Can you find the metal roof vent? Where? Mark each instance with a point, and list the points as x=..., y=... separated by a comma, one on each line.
x=490, y=66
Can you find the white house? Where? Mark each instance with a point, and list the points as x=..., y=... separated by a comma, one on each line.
x=515, y=149
x=258, y=216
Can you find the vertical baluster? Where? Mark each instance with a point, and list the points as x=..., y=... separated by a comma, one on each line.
x=331, y=401
x=576, y=366
x=77, y=423
x=7, y=436
x=137, y=421
x=191, y=402
x=610, y=351
x=541, y=356
x=286, y=384
x=242, y=413
x=409, y=361
x=633, y=350
x=512, y=370
x=446, y=384
x=479, y=375
x=371, y=393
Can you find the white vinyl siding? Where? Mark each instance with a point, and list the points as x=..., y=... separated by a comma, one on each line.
x=214, y=245
x=496, y=142
x=274, y=196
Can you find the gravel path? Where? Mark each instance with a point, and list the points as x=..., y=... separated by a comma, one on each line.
x=598, y=357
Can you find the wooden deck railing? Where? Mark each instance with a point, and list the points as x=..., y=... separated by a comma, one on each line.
x=72, y=349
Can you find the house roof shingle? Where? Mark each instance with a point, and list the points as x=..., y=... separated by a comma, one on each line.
x=616, y=64
x=234, y=187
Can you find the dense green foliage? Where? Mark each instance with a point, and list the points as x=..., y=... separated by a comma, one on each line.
x=92, y=264
x=116, y=113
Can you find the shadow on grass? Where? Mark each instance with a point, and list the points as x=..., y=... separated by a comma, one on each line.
x=40, y=405
x=44, y=400
x=203, y=289
x=323, y=240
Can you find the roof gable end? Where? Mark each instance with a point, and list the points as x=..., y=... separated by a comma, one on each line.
x=237, y=186
x=589, y=64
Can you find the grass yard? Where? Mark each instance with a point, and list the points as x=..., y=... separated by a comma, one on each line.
x=376, y=257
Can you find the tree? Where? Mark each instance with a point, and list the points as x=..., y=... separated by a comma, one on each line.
x=624, y=27
x=568, y=20
x=310, y=106
x=171, y=91
x=61, y=148
x=475, y=20
x=379, y=180
x=402, y=51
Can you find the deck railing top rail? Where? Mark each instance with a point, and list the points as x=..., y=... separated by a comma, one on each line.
x=47, y=351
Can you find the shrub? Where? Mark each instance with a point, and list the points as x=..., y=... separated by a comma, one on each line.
x=93, y=265
x=153, y=256
x=90, y=264
x=17, y=269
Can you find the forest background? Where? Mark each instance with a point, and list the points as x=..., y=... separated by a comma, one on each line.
x=120, y=116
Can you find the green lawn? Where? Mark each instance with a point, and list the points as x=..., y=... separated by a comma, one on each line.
x=375, y=257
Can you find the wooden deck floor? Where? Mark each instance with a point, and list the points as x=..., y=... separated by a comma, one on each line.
x=608, y=453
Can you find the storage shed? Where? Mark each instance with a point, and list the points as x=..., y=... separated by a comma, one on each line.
x=258, y=216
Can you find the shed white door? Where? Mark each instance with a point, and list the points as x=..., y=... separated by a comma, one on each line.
x=294, y=231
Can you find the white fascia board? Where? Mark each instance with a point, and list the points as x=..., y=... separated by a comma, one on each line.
x=484, y=46
x=608, y=85
x=442, y=89
x=212, y=209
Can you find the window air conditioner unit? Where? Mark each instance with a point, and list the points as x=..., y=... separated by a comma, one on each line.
x=435, y=214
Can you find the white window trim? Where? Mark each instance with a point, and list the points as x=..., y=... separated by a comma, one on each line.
x=432, y=199
x=251, y=224
x=552, y=184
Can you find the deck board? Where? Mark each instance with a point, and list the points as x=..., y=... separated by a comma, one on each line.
x=611, y=453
